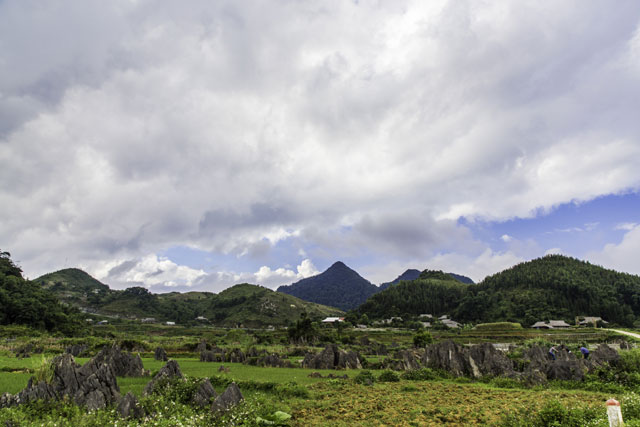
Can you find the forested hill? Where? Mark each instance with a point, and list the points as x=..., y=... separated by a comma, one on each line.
x=338, y=286
x=413, y=274
x=552, y=287
x=244, y=304
x=23, y=302
x=555, y=287
x=432, y=293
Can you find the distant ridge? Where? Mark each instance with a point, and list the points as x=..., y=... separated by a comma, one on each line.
x=413, y=274
x=339, y=286
x=243, y=304
x=410, y=274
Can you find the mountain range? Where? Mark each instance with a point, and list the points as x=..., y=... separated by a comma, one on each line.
x=243, y=304
x=551, y=287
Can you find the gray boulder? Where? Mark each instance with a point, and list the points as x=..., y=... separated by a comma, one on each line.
x=211, y=356
x=572, y=370
x=475, y=361
x=231, y=397
x=235, y=356
x=124, y=364
x=167, y=372
x=202, y=346
x=130, y=407
x=203, y=395
x=332, y=358
x=76, y=349
x=448, y=356
x=160, y=354
x=604, y=354
x=485, y=360
x=92, y=385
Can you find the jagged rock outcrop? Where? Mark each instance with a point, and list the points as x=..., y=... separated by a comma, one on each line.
x=210, y=356
x=485, y=360
x=160, y=354
x=202, y=346
x=604, y=354
x=475, y=361
x=130, y=407
x=231, y=397
x=124, y=364
x=76, y=349
x=167, y=372
x=332, y=358
x=93, y=385
x=447, y=356
x=269, y=360
x=235, y=356
x=203, y=395
x=404, y=360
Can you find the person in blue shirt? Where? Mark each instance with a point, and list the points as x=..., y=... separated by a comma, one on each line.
x=585, y=352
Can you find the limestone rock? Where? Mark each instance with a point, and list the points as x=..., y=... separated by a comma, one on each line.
x=123, y=363
x=168, y=371
x=76, y=349
x=231, y=397
x=332, y=358
x=203, y=395
x=130, y=407
x=160, y=354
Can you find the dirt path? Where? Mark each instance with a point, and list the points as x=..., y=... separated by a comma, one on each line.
x=631, y=334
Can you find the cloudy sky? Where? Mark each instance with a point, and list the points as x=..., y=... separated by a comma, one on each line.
x=199, y=144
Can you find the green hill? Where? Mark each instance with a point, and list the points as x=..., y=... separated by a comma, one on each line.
x=23, y=302
x=552, y=287
x=245, y=304
x=434, y=292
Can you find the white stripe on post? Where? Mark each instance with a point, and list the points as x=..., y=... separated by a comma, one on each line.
x=614, y=413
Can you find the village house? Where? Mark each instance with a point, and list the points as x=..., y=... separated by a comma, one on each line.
x=552, y=324
x=591, y=321
x=333, y=320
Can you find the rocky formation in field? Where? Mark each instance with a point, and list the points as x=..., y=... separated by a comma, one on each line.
x=217, y=354
x=534, y=367
x=93, y=385
x=26, y=351
x=231, y=397
x=332, y=358
x=76, y=349
x=269, y=360
x=167, y=372
x=129, y=407
x=476, y=361
x=160, y=354
x=124, y=364
x=202, y=346
x=203, y=395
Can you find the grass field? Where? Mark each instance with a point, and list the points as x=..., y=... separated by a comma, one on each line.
x=323, y=401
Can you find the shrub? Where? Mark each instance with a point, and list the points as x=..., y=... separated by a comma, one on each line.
x=388, y=376
x=365, y=377
x=422, y=339
x=424, y=374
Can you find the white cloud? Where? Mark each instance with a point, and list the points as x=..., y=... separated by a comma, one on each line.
x=506, y=238
x=626, y=226
x=622, y=256
x=130, y=127
x=150, y=271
